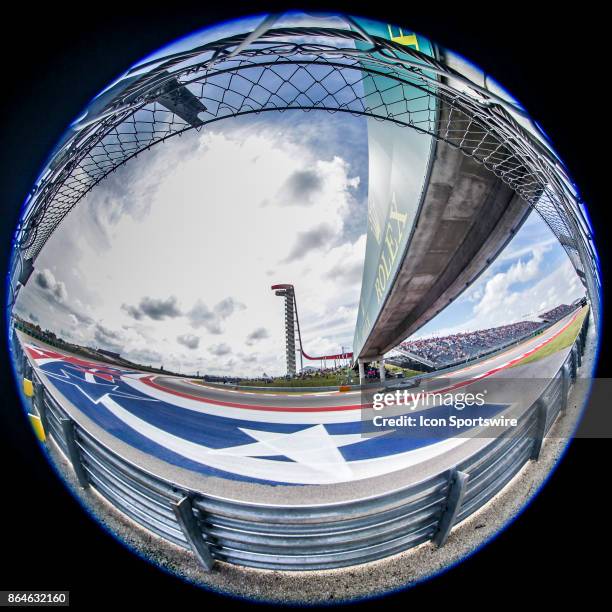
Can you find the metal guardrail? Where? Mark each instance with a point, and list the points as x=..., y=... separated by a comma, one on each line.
x=308, y=536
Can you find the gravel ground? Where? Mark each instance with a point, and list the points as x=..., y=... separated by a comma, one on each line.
x=367, y=580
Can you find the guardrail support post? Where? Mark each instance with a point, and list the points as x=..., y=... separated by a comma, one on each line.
x=564, y=387
x=184, y=515
x=73, y=452
x=458, y=482
x=39, y=403
x=540, y=432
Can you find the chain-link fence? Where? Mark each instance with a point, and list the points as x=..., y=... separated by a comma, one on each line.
x=307, y=68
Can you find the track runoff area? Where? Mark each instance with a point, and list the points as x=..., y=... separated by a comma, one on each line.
x=318, y=438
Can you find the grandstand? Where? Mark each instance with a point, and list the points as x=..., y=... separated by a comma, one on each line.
x=442, y=351
x=557, y=313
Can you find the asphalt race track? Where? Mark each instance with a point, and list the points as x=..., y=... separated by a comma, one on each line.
x=283, y=438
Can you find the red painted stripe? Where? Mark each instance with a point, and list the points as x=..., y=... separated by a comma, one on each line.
x=147, y=380
x=82, y=364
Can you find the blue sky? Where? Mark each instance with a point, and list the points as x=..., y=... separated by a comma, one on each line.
x=170, y=259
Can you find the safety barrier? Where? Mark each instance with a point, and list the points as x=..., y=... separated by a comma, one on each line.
x=305, y=536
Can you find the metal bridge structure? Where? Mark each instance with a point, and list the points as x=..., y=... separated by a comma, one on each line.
x=279, y=63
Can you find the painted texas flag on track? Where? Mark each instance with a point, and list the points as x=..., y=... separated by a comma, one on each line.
x=271, y=445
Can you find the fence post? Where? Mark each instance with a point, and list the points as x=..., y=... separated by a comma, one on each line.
x=183, y=510
x=564, y=387
x=573, y=352
x=73, y=451
x=456, y=491
x=579, y=350
x=39, y=403
x=583, y=331
x=540, y=432
x=17, y=357
x=16, y=343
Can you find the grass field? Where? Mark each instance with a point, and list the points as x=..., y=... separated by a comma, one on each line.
x=344, y=377
x=298, y=383
x=407, y=372
x=347, y=376
x=315, y=381
x=564, y=340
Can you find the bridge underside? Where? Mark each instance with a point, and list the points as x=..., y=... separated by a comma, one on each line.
x=467, y=217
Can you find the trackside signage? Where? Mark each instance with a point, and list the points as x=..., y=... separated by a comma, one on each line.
x=398, y=164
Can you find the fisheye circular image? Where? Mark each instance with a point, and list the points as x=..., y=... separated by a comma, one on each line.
x=304, y=308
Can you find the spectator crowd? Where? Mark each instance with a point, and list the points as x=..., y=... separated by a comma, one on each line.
x=305, y=374
x=556, y=313
x=442, y=350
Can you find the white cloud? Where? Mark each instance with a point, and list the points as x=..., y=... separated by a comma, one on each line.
x=193, y=234
x=498, y=292
x=261, y=333
x=501, y=304
x=189, y=340
x=218, y=350
x=180, y=236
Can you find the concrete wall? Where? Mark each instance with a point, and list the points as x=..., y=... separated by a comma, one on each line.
x=467, y=217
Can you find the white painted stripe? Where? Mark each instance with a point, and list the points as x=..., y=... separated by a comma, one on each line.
x=260, y=416
x=279, y=471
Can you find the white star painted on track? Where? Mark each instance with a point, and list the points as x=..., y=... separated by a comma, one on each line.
x=312, y=446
